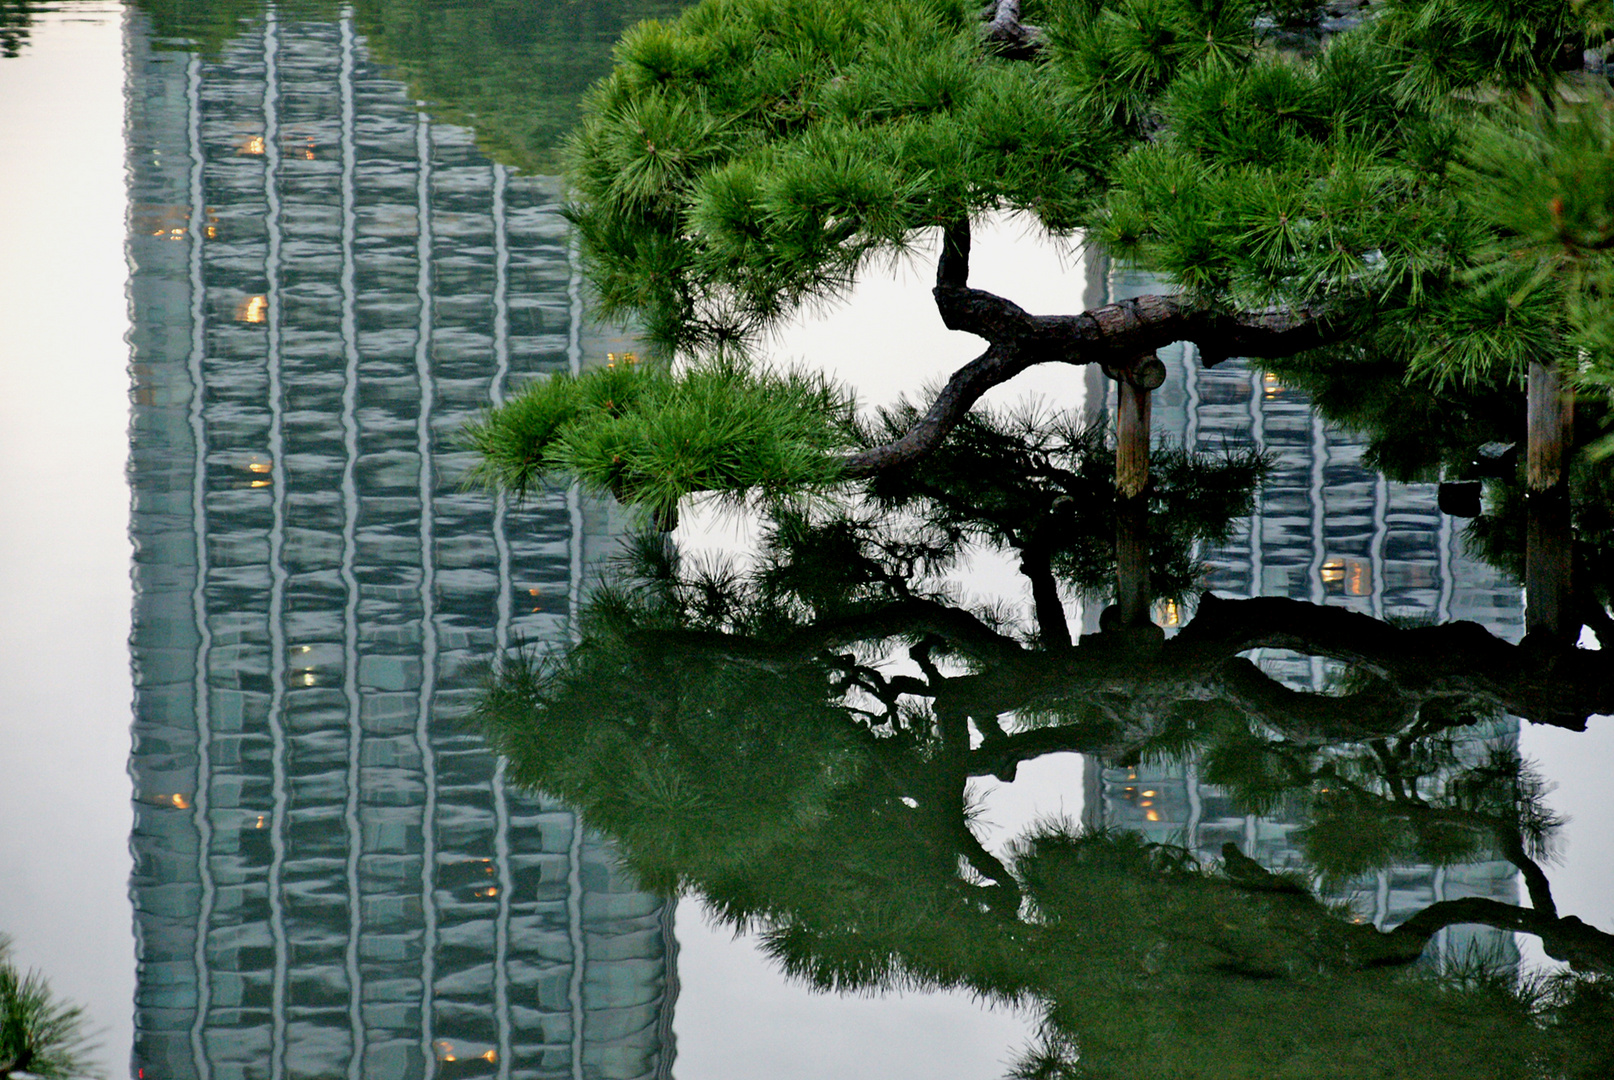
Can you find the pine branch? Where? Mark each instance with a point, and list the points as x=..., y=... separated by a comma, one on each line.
x=1001, y=757
x=1008, y=36
x=1561, y=688
x=1116, y=335
x=1310, y=718
x=1583, y=947
x=1536, y=884
x=1036, y=565
x=992, y=368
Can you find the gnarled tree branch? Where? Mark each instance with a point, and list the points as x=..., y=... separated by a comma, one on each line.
x=1008, y=36
x=1557, y=687
x=1583, y=947
x=1115, y=335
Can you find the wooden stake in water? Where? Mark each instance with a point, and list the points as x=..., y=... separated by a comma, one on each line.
x=1134, y=385
x=1548, y=552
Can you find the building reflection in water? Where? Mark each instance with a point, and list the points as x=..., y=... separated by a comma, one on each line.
x=331, y=877
x=1328, y=530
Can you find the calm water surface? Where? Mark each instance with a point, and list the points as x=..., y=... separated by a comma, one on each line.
x=329, y=270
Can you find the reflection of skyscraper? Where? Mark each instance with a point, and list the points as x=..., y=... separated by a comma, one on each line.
x=330, y=876
x=1328, y=530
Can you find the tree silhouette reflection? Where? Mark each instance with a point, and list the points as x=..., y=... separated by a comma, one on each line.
x=794, y=743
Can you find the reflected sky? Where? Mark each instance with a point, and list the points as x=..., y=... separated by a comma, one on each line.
x=64, y=817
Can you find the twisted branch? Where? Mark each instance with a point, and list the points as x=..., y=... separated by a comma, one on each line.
x=1582, y=946
x=1008, y=36
x=1116, y=335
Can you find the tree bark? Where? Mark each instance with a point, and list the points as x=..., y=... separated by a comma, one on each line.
x=1583, y=947
x=1548, y=552
x=1561, y=688
x=1008, y=36
x=1115, y=335
x=1132, y=503
x=1053, y=631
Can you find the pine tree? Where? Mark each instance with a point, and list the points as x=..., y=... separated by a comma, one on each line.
x=1420, y=183
x=39, y=1034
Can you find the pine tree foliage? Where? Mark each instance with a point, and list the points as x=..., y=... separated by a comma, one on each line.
x=635, y=431
x=1041, y=484
x=1428, y=190
x=757, y=153
x=1540, y=176
x=1425, y=194
x=40, y=1035
x=753, y=737
x=1388, y=177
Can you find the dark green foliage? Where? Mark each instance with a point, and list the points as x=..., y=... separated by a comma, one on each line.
x=651, y=438
x=1425, y=797
x=16, y=18
x=39, y=1034
x=1289, y=182
x=707, y=771
x=1258, y=771
x=748, y=778
x=686, y=758
x=1117, y=59
x=756, y=153
x=1541, y=176
x=1446, y=45
x=758, y=737
x=1580, y=1009
x=754, y=156
x=1211, y=974
x=1390, y=179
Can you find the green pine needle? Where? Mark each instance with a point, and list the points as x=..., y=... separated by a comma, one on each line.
x=651, y=437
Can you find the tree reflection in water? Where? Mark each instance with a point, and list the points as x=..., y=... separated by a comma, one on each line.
x=794, y=744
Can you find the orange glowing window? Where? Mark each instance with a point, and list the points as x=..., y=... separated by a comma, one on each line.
x=254, y=309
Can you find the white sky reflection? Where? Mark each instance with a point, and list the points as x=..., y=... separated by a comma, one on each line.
x=64, y=516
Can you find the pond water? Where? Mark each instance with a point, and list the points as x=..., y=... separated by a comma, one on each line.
x=260, y=267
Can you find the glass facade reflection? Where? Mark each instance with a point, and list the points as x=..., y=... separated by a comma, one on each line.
x=1327, y=530
x=331, y=878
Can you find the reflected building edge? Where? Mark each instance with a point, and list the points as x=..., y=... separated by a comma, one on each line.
x=331, y=876
x=1325, y=529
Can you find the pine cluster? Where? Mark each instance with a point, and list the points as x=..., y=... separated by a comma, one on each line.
x=1432, y=179
x=755, y=154
x=634, y=431
x=40, y=1035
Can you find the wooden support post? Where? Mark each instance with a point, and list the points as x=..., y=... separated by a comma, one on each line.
x=1548, y=551
x=1132, y=592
